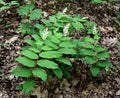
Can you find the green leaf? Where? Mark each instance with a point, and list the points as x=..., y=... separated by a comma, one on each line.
x=29, y=54
x=40, y=73
x=96, y=37
x=79, y=18
x=25, y=47
x=67, y=51
x=46, y=48
x=104, y=63
x=22, y=72
x=39, y=44
x=30, y=42
x=78, y=25
x=50, y=44
x=88, y=52
x=36, y=37
x=118, y=53
x=71, y=29
x=65, y=70
x=76, y=41
x=66, y=18
x=80, y=44
x=63, y=21
x=13, y=3
x=118, y=64
x=58, y=73
x=25, y=27
x=24, y=10
x=118, y=15
x=25, y=61
x=36, y=14
x=59, y=15
x=52, y=18
x=90, y=24
x=38, y=40
x=54, y=39
x=65, y=61
x=66, y=39
x=97, y=1
x=58, y=35
x=94, y=70
x=90, y=60
x=50, y=54
x=88, y=39
x=3, y=2
x=67, y=44
x=47, y=64
x=59, y=25
x=19, y=87
x=40, y=26
x=86, y=45
x=28, y=86
x=90, y=31
x=103, y=55
x=4, y=7
x=46, y=22
x=118, y=22
x=100, y=49
x=34, y=49
x=118, y=44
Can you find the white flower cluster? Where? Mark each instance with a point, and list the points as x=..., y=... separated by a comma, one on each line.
x=45, y=34
x=94, y=29
x=85, y=18
x=45, y=14
x=65, y=10
x=65, y=30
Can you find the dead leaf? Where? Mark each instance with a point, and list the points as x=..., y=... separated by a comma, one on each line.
x=11, y=40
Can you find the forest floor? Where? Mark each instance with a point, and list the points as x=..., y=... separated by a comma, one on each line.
x=81, y=84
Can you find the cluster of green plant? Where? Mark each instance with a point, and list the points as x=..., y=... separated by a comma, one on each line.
x=50, y=47
x=101, y=1
x=5, y=5
x=94, y=54
x=118, y=19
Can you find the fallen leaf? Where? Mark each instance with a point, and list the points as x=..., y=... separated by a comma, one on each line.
x=11, y=40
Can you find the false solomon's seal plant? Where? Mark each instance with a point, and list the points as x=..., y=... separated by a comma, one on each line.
x=48, y=50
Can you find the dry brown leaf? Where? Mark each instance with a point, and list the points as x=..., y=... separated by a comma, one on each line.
x=11, y=40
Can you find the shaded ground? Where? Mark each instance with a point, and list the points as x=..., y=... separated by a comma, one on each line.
x=81, y=84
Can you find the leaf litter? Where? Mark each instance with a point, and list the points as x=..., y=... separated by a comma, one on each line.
x=81, y=84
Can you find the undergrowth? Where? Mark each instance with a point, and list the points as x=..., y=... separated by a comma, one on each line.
x=49, y=49
x=4, y=5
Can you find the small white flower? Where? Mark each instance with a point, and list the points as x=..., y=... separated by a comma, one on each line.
x=65, y=10
x=65, y=30
x=45, y=14
x=94, y=30
x=85, y=18
x=45, y=34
